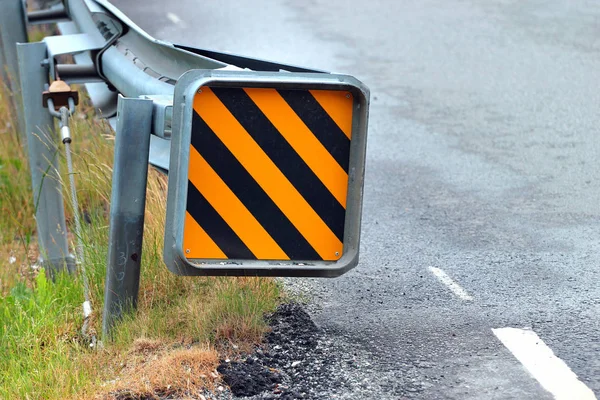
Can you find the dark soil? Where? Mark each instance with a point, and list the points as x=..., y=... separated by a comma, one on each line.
x=249, y=377
x=292, y=364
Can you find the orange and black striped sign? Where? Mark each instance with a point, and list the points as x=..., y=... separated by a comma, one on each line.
x=268, y=174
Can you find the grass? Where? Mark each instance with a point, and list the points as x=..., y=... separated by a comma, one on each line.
x=182, y=327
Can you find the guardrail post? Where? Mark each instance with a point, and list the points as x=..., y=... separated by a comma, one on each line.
x=128, y=201
x=3, y=67
x=12, y=31
x=43, y=160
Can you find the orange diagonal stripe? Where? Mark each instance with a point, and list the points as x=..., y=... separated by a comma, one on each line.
x=197, y=241
x=267, y=175
x=231, y=209
x=304, y=142
x=339, y=105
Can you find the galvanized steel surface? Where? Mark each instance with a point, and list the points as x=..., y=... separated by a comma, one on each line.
x=43, y=156
x=127, y=205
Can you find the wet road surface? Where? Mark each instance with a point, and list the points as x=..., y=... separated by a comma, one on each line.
x=482, y=192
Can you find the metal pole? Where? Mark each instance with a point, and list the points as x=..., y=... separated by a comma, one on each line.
x=128, y=201
x=43, y=160
x=48, y=16
x=12, y=31
x=3, y=67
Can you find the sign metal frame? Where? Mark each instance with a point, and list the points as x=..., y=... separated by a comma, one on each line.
x=185, y=91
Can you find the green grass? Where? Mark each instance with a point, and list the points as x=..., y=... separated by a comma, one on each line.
x=181, y=323
x=38, y=339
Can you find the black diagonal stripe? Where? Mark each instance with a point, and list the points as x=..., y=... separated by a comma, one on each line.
x=214, y=225
x=320, y=123
x=285, y=157
x=241, y=183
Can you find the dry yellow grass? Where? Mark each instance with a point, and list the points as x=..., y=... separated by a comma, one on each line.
x=154, y=369
x=170, y=345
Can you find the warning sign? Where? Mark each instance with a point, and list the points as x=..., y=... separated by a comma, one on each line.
x=268, y=173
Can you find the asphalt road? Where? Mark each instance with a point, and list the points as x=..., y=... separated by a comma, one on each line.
x=482, y=162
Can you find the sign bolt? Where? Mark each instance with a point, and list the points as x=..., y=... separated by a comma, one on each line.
x=187, y=251
x=337, y=253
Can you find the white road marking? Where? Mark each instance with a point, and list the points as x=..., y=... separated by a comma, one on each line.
x=550, y=371
x=174, y=18
x=455, y=287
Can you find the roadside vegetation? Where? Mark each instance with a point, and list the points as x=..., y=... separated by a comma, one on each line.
x=182, y=327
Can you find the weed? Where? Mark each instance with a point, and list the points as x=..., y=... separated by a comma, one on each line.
x=180, y=324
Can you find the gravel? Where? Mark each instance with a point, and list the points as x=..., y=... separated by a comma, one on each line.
x=298, y=361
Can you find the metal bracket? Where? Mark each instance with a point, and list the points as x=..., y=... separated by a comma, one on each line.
x=109, y=29
x=70, y=44
x=60, y=94
x=54, y=14
x=162, y=114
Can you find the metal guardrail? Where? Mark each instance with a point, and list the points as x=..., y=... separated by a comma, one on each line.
x=136, y=64
x=131, y=75
x=112, y=56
